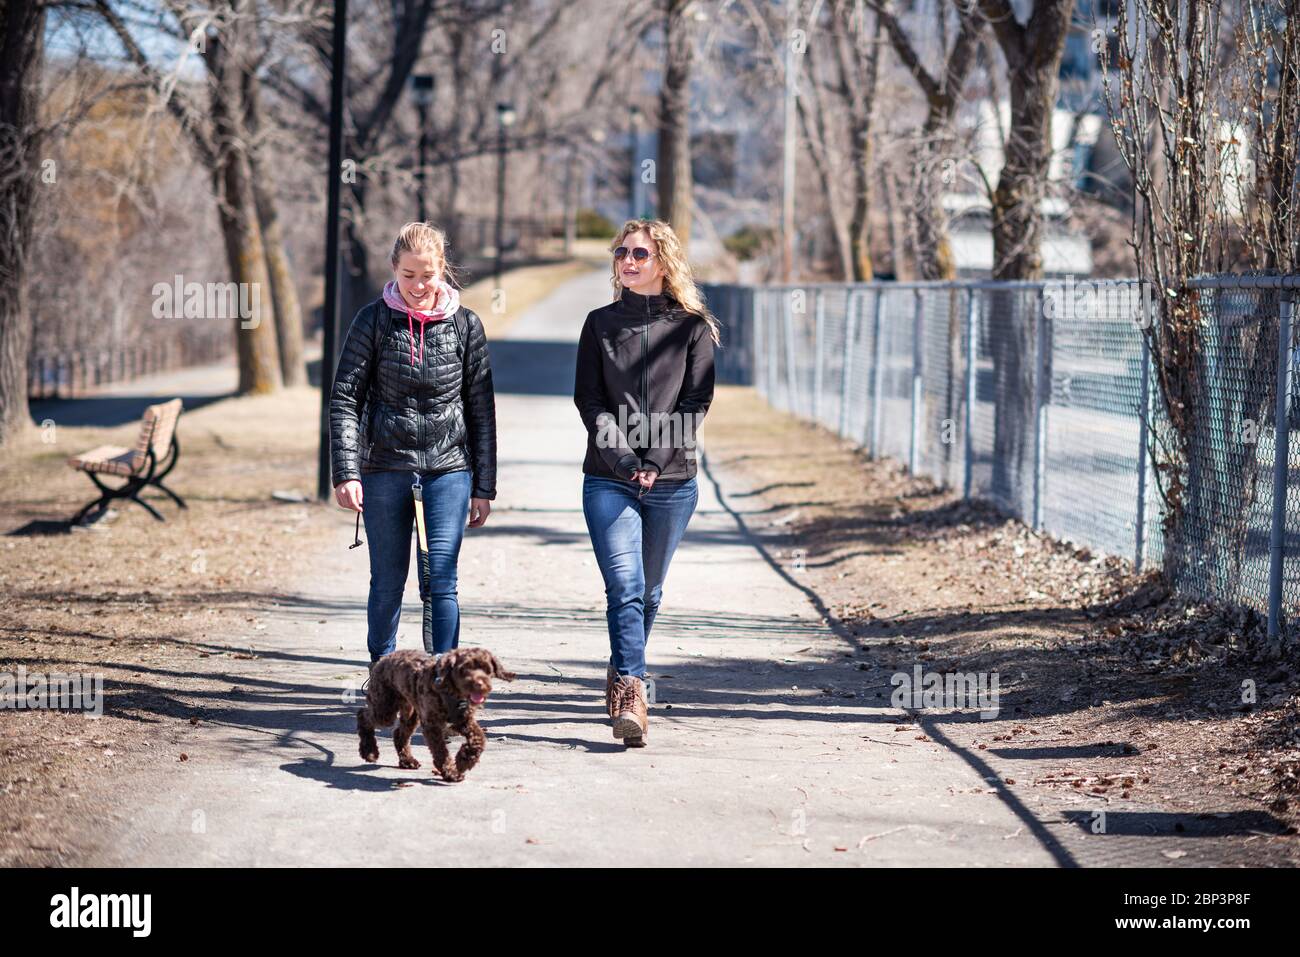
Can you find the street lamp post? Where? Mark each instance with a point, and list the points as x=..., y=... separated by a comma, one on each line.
x=505, y=119
x=634, y=186
x=330, y=313
x=422, y=92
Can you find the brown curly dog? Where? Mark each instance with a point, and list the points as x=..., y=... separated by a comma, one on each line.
x=410, y=685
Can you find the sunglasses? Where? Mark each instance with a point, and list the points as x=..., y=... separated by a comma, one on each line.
x=640, y=253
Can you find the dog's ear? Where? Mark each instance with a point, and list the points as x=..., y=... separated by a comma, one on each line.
x=498, y=671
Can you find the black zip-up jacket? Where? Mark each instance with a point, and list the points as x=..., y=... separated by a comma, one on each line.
x=643, y=354
x=435, y=412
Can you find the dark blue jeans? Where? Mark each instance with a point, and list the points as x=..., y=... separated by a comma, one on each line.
x=388, y=508
x=634, y=539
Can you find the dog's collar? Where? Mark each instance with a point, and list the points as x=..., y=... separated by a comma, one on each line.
x=461, y=703
x=448, y=696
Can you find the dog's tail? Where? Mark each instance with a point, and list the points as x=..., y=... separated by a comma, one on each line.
x=366, y=731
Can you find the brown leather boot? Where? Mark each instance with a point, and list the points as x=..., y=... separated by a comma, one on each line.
x=630, y=711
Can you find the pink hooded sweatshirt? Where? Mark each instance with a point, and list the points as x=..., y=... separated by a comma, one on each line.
x=446, y=301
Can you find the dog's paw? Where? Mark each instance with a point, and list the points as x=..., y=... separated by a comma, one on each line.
x=451, y=775
x=371, y=757
x=409, y=764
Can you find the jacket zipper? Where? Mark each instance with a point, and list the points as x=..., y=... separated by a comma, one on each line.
x=645, y=386
x=419, y=413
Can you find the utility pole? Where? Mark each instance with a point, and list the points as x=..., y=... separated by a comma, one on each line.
x=788, y=144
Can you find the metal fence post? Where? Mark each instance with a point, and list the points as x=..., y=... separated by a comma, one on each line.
x=1042, y=392
x=819, y=353
x=968, y=428
x=1144, y=419
x=850, y=335
x=1281, y=463
x=756, y=343
x=770, y=310
x=918, y=317
x=791, y=373
x=877, y=372
x=749, y=310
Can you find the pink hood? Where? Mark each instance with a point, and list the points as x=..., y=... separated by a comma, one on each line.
x=446, y=302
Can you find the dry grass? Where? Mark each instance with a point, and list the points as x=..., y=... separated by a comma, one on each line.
x=912, y=575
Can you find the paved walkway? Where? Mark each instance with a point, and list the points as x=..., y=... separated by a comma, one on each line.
x=748, y=762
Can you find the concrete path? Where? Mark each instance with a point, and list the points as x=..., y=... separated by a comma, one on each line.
x=748, y=760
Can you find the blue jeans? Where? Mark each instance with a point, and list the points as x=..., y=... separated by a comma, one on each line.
x=389, y=512
x=634, y=539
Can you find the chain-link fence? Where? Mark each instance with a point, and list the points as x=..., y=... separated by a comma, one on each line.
x=1033, y=396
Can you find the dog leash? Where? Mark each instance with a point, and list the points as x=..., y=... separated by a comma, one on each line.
x=422, y=554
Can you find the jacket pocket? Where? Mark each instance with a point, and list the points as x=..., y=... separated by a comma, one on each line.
x=369, y=432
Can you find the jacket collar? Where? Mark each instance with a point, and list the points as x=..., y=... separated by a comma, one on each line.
x=655, y=305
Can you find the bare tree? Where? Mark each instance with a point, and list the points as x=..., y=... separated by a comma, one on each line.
x=1033, y=54
x=284, y=290
x=1201, y=92
x=226, y=34
x=817, y=120
x=937, y=141
x=674, y=166
x=857, y=55
x=22, y=30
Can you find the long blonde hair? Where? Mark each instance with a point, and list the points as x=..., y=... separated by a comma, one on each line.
x=678, y=281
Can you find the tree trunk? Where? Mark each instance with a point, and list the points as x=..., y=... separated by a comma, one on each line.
x=255, y=337
x=1022, y=184
x=359, y=287
x=860, y=219
x=897, y=239
x=861, y=97
x=1033, y=54
x=22, y=31
x=284, y=291
x=814, y=130
x=1017, y=254
x=934, y=258
x=674, y=166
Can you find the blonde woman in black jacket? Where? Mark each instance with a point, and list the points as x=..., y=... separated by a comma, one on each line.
x=643, y=385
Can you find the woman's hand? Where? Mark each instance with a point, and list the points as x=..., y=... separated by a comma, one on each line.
x=479, y=510
x=646, y=478
x=348, y=494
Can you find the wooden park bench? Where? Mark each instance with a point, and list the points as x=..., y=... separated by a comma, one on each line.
x=145, y=465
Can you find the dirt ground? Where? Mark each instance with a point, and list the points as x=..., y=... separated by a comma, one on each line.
x=1119, y=693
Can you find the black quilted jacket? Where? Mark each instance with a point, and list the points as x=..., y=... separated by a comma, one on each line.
x=436, y=413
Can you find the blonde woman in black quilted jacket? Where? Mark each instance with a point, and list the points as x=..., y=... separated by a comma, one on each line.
x=413, y=397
